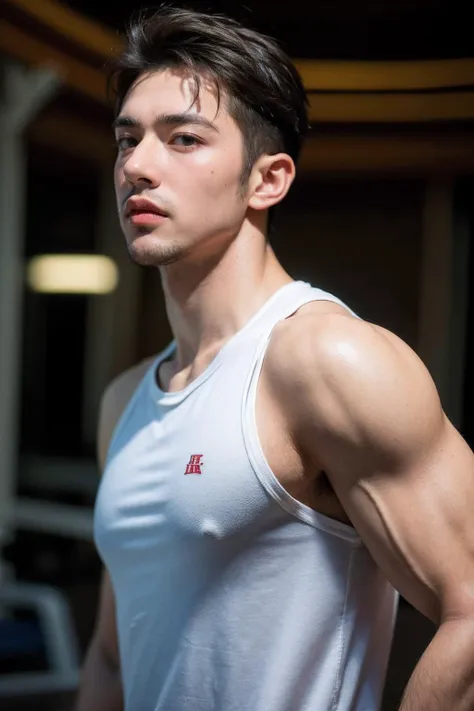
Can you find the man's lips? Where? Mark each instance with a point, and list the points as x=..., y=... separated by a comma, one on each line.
x=141, y=217
x=136, y=207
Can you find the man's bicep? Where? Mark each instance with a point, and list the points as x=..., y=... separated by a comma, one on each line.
x=403, y=474
x=417, y=524
x=371, y=418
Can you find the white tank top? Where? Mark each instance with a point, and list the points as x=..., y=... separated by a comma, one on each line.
x=231, y=595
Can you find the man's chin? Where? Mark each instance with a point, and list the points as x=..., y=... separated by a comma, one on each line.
x=148, y=252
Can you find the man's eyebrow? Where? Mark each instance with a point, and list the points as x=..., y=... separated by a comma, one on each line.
x=180, y=119
x=125, y=121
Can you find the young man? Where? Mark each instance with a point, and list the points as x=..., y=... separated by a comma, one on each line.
x=283, y=467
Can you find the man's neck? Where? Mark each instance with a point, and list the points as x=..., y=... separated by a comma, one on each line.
x=208, y=301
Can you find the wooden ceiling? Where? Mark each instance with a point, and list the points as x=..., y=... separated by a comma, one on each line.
x=336, y=29
x=341, y=92
x=414, y=113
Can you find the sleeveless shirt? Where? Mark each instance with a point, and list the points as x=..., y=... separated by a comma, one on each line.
x=230, y=594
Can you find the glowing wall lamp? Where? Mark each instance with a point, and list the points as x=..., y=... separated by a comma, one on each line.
x=72, y=274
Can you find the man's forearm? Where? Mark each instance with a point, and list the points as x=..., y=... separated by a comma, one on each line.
x=443, y=679
x=100, y=687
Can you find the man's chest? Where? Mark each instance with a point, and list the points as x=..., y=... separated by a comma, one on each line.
x=185, y=477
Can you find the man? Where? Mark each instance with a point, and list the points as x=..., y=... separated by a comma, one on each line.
x=283, y=467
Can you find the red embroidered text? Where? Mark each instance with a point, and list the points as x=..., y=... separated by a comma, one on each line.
x=194, y=464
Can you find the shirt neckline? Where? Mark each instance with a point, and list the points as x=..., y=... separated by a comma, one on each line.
x=164, y=397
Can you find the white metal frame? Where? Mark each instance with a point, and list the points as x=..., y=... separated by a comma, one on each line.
x=25, y=92
x=59, y=635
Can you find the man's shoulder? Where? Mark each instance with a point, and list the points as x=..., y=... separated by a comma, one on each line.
x=348, y=375
x=324, y=340
x=309, y=332
x=114, y=401
x=121, y=388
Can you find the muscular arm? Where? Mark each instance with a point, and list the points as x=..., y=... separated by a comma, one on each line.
x=365, y=410
x=100, y=687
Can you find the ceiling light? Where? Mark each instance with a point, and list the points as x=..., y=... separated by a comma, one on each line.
x=72, y=274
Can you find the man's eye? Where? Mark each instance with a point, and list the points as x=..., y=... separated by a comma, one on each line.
x=124, y=142
x=185, y=140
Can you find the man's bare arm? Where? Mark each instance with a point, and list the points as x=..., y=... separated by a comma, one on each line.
x=365, y=410
x=101, y=687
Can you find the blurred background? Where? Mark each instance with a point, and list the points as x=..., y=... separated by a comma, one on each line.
x=381, y=214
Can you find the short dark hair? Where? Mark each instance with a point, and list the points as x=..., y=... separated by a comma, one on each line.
x=265, y=94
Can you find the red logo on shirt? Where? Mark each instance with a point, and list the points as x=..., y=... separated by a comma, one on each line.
x=194, y=464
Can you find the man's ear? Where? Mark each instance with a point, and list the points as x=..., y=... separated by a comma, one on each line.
x=270, y=180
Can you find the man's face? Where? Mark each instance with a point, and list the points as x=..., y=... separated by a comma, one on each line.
x=178, y=170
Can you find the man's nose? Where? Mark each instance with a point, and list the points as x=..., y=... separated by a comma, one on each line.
x=143, y=166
